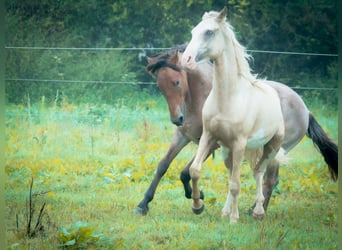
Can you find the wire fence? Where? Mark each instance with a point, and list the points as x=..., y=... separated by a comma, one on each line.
x=141, y=49
x=146, y=48
x=134, y=83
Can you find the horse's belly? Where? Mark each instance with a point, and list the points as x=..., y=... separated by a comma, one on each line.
x=258, y=139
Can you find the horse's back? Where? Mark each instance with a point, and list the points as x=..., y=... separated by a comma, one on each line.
x=267, y=101
x=295, y=114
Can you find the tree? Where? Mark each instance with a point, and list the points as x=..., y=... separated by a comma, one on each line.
x=286, y=25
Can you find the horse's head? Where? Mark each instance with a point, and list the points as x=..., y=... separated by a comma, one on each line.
x=207, y=40
x=172, y=81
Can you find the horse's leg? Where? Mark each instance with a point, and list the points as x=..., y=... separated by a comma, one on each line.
x=228, y=205
x=178, y=143
x=205, y=144
x=271, y=180
x=233, y=163
x=185, y=177
x=269, y=152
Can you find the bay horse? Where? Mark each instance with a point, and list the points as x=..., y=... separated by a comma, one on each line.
x=242, y=114
x=186, y=92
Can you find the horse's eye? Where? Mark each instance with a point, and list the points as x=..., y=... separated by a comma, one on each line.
x=209, y=33
x=177, y=83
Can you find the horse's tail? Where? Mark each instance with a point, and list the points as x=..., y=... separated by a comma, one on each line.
x=325, y=145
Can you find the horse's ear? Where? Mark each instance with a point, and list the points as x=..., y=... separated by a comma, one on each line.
x=223, y=14
x=149, y=67
x=153, y=74
x=178, y=56
x=149, y=59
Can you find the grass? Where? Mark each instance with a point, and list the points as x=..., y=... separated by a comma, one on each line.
x=92, y=165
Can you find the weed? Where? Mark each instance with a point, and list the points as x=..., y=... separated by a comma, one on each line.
x=96, y=172
x=34, y=222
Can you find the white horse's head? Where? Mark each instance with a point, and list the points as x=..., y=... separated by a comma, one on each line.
x=212, y=38
x=207, y=40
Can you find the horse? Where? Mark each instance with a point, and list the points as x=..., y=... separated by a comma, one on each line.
x=242, y=114
x=185, y=102
x=186, y=92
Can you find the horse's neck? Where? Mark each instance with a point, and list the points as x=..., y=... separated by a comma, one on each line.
x=199, y=86
x=227, y=79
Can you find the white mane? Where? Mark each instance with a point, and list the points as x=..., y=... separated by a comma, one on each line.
x=241, y=55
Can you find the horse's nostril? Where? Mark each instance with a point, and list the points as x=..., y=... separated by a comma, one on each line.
x=181, y=119
x=189, y=58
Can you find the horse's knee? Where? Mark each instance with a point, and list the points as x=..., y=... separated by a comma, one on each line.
x=234, y=188
x=194, y=173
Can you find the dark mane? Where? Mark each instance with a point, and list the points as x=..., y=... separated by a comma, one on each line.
x=162, y=60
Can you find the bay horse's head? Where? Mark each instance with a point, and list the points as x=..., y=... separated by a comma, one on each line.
x=172, y=81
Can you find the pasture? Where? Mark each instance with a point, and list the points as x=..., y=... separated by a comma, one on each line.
x=91, y=165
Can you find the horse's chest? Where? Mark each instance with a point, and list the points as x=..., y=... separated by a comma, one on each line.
x=213, y=123
x=218, y=126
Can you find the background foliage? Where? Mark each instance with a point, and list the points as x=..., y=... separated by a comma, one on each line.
x=299, y=26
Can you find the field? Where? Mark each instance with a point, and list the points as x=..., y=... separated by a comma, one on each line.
x=88, y=167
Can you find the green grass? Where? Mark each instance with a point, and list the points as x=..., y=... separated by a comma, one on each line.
x=93, y=169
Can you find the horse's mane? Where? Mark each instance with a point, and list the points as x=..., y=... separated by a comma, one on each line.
x=163, y=60
x=241, y=55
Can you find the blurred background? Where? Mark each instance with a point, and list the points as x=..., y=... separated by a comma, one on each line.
x=95, y=51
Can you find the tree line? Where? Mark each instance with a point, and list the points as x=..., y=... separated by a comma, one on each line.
x=285, y=25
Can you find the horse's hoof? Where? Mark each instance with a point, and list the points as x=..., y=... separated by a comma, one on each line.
x=258, y=216
x=233, y=221
x=198, y=210
x=140, y=211
x=225, y=214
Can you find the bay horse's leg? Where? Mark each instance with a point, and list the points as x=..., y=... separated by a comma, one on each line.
x=179, y=141
x=271, y=180
x=185, y=177
x=205, y=145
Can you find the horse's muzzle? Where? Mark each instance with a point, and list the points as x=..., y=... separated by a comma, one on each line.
x=178, y=121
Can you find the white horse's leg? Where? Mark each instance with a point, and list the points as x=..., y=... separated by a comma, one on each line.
x=259, y=210
x=270, y=151
x=234, y=189
x=227, y=209
x=233, y=163
x=206, y=143
x=228, y=205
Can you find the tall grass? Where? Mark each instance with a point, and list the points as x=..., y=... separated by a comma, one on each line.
x=92, y=164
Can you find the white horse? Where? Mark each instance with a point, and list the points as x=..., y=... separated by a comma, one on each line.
x=242, y=114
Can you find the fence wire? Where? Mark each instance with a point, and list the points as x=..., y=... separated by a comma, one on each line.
x=146, y=49
x=143, y=49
